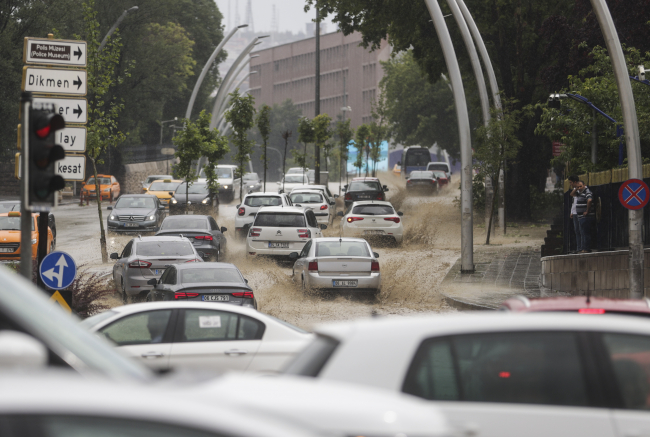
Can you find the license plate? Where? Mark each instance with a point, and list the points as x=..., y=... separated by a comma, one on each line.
x=363, y=197
x=278, y=245
x=159, y=271
x=215, y=298
x=6, y=249
x=131, y=225
x=373, y=232
x=345, y=283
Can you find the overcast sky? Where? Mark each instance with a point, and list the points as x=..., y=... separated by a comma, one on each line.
x=290, y=12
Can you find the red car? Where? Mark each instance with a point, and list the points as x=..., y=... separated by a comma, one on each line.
x=579, y=304
x=442, y=178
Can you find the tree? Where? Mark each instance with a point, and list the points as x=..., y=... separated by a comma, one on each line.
x=345, y=135
x=263, y=122
x=213, y=147
x=241, y=117
x=102, y=129
x=379, y=131
x=322, y=133
x=189, y=144
x=285, y=136
x=306, y=135
x=361, y=143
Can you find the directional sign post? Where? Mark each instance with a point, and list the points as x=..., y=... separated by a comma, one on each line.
x=54, y=81
x=54, y=52
x=58, y=270
x=72, y=110
x=634, y=194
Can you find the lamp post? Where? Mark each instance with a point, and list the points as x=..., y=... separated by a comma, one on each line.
x=161, y=127
x=224, y=103
x=117, y=23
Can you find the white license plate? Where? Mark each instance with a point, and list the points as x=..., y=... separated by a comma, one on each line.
x=131, y=225
x=6, y=250
x=373, y=232
x=159, y=271
x=363, y=197
x=278, y=245
x=215, y=298
x=345, y=283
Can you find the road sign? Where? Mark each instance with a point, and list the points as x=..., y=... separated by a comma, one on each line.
x=167, y=151
x=72, y=110
x=72, y=138
x=58, y=270
x=72, y=168
x=63, y=298
x=634, y=194
x=54, y=52
x=54, y=81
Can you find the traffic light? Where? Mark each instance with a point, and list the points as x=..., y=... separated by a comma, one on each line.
x=43, y=154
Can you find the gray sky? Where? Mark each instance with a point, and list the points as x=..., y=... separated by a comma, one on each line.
x=291, y=14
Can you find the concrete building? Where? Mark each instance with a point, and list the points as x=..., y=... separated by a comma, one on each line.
x=350, y=75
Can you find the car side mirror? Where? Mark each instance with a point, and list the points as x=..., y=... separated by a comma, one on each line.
x=323, y=227
x=223, y=229
x=156, y=229
x=332, y=203
x=109, y=208
x=451, y=172
x=385, y=188
x=115, y=255
x=376, y=254
x=294, y=255
x=171, y=193
x=246, y=280
x=152, y=282
x=237, y=206
x=400, y=213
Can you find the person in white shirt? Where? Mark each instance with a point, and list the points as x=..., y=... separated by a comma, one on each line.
x=573, y=182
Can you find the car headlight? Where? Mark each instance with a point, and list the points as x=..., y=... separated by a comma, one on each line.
x=225, y=186
x=174, y=200
x=34, y=241
x=151, y=217
x=252, y=186
x=112, y=217
x=205, y=201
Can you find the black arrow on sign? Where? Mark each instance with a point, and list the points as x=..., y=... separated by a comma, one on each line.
x=77, y=82
x=78, y=53
x=78, y=111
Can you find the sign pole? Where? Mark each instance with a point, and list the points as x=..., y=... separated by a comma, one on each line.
x=25, y=212
x=43, y=223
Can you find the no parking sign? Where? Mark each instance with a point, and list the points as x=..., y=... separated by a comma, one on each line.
x=634, y=194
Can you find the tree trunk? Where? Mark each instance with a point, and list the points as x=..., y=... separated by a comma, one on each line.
x=265, y=165
x=187, y=195
x=494, y=199
x=102, y=234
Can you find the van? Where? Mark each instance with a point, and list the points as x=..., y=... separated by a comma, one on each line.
x=440, y=166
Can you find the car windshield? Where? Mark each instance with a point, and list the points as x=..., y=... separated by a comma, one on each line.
x=184, y=222
x=418, y=158
x=164, y=186
x=279, y=220
x=441, y=167
x=373, y=210
x=251, y=177
x=11, y=224
x=224, y=173
x=102, y=181
x=97, y=318
x=365, y=186
x=342, y=248
x=194, y=189
x=306, y=198
x=150, y=179
x=164, y=248
x=134, y=202
x=9, y=206
x=193, y=276
x=262, y=201
x=421, y=175
x=294, y=179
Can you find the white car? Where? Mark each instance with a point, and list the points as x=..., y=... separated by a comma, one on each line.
x=497, y=374
x=372, y=218
x=311, y=173
x=332, y=264
x=322, y=188
x=314, y=200
x=279, y=231
x=229, y=185
x=200, y=335
x=252, y=203
x=290, y=181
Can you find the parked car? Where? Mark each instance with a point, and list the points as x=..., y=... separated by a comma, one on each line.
x=500, y=374
x=252, y=183
x=229, y=181
x=10, y=237
x=150, y=179
x=196, y=199
x=252, y=203
x=375, y=219
x=206, y=282
x=364, y=189
x=440, y=166
x=422, y=182
x=14, y=205
x=108, y=185
x=145, y=258
x=135, y=213
x=314, y=200
x=203, y=231
x=578, y=304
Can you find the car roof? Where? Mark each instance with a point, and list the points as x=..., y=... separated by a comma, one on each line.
x=138, y=195
x=305, y=190
x=160, y=238
x=316, y=240
x=181, y=217
x=298, y=209
x=371, y=202
x=575, y=303
x=263, y=193
x=206, y=265
x=150, y=306
x=164, y=176
x=226, y=166
x=170, y=180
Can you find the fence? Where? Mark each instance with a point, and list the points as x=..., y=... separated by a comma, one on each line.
x=611, y=232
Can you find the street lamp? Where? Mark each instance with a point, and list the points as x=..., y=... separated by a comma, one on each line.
x=161, y=127
x=117, y=23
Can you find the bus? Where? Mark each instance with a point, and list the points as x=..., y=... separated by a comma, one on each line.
x=414, y=158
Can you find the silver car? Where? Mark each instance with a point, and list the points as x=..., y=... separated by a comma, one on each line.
x=145, y=258
x=330, y=264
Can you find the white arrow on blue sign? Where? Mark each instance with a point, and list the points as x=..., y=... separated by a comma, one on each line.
x=58, y=270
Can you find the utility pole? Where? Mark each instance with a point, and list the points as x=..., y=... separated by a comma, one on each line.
x=317, y=97
x=25, y=211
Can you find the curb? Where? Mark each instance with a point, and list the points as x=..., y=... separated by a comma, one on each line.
x=464, y=305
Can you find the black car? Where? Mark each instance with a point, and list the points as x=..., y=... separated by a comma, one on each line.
x=207, y=282
x=202, y=231
x=14, y=205
x=422, y=181
x=364, y=189
x=197, y=199
x=135, y=213
x=252, y=183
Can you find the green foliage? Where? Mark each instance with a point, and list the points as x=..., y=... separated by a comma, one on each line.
x=241, y=117
x=213, y=147
x=361, y=144
x=189, y=144
x=305, y=135
x=322, y=133
x=379, y=130
x=263, y=122
x=545, y=204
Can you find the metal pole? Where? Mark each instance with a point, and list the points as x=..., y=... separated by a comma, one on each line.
x=226, y=102
x=345, y=111
x=112, y=29
x=226, y=97
x=594, y=139
x=317, y=97
x=467, y=237
x=635, y=170
x=25, y=212
x=43, y=222
x=207, y=67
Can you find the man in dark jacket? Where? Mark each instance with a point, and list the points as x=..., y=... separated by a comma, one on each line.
x=586, y=215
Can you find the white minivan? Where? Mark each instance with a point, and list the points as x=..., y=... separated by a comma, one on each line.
x=440, y=166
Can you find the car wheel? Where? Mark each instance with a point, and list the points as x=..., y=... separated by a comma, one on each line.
x=304, y=286
x=123, y=290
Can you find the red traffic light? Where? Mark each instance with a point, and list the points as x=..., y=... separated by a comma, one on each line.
x=45, y=123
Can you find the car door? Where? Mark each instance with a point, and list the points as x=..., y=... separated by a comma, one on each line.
x=299, y=265
x=510, y=384
x=313, y=224
x=165, y=286
x=120, y=263
x=215, y=340
x=216, y=233
x=145, y=336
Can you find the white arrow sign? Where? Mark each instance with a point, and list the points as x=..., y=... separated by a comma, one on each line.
x=72, y=110
x=72, y=138
x=72, y=168
x=54, y=81
x=61, y=264
x=54, y=52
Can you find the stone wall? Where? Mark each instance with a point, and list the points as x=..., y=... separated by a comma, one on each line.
x=136, y=173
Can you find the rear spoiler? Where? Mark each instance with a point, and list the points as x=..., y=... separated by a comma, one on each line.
x=183, y=232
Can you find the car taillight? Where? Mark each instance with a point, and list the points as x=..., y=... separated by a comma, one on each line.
x=246, y=294
x=591, y=311
x=408, y=182
x=323, y=207
x=433, y=181
x=348, y=196
x=183, y=295
x=304, y=233
x=374, y=266
x=203, y=237
x=241, y=211
x=393, y=219
x=354, y=219
x=193, y=260
x=313, y=266
x=254, y=232
x=380, y=196
x=140, y=264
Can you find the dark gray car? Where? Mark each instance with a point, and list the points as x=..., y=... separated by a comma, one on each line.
x=207, y=282
x=197, y=199
x=252, y=183
x=202, y=230
x=135, y=213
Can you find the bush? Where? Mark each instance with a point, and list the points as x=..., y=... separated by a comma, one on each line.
x=545, y=204
x=89, y=293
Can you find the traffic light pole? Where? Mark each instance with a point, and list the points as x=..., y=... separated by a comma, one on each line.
x=43, y=222
x=25, y=212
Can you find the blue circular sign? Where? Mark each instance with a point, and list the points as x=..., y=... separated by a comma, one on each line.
x=634, y=194
x=58, y=270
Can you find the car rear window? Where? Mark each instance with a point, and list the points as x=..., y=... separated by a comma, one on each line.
x=164, y=186
x=306, y=198
x=440, y=174
x=373, y=210
x=441, y=167
x=280, y=220
x=164, y=248
x=184, y=222
x=193, y=276
x=294, y=179
x=255, y=201
x=313, y=358
x=365, y=186
x=421, y=174
x=342, y=248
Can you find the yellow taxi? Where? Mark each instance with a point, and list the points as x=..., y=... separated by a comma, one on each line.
x=108, y=185
x=10, y=236
x=161, y=189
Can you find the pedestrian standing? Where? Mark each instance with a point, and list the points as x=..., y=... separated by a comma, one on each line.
x=573, y=183
x=586, y=216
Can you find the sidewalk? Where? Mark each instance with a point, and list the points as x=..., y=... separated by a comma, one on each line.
x=500, y=274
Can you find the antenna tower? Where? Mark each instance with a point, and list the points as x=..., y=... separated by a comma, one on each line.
x=249, y=16
x=274, y=20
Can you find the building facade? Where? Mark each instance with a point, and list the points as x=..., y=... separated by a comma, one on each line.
x=349, y=76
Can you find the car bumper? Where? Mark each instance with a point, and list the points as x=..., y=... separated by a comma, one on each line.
x=325, y=219
x=396, y=233
x=322, y=282
x=297, y=246
x=136, y=284
x=92, y=195
x=205, y=251
x=116, y=226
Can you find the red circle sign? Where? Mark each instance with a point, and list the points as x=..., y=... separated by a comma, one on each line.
x=634, y=194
